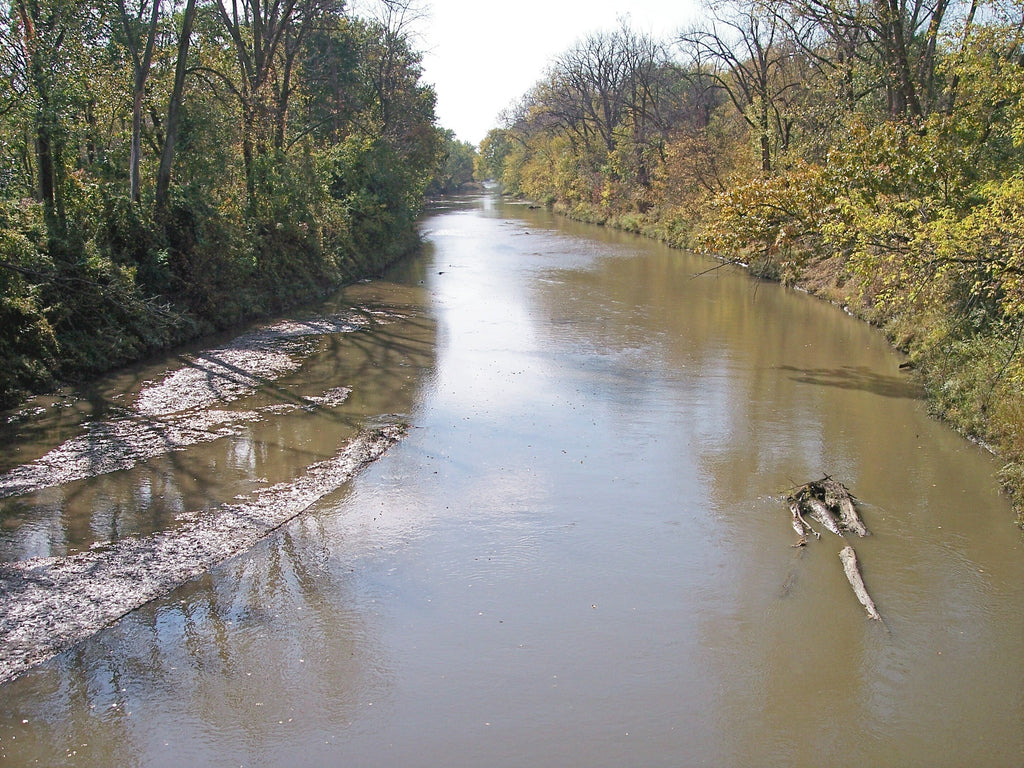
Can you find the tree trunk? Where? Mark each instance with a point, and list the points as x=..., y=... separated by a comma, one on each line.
x=765, y=139
x=51, y=191
x=142, y=62
x=852, y=570
x=135, y=180
x=163, y=177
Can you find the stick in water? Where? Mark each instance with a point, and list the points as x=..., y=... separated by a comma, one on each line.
x=849, y=558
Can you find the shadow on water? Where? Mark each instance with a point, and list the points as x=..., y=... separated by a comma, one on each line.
x=225, y=430
x=859, y=378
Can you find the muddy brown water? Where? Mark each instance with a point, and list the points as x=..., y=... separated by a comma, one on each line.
x=577, y=555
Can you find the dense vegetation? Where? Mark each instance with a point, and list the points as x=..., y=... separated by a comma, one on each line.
x=456, y=172
x=872, y=151
x=171, y=167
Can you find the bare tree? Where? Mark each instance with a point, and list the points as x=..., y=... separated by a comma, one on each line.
x=608, y=87
x=896, y=39
x=389, y=60
x=745, y=51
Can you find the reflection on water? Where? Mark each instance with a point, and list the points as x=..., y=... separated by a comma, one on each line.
x=190, y=433
x=579, y=554
x=237, y=664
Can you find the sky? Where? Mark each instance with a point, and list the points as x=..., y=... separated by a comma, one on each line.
x=481, y=55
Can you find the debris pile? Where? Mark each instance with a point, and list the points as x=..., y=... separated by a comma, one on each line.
x=830, y=504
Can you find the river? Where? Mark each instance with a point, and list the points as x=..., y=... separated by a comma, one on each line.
x=573, y=549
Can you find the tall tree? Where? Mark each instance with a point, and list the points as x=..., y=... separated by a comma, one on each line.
x=140, y=39
x=46, y=33
x=257, y=30
x=898, y=40
x=745, y=50
x=174, y=106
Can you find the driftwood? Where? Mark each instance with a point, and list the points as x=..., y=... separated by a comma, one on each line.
x=838, y=496
x=852, y=569
x=822, y=514
x=827, y=502
x=801, y=526
x=830, y=504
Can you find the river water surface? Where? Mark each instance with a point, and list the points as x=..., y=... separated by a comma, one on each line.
x=577, y=555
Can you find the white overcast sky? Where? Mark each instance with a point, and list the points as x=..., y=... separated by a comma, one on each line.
x=481, y=56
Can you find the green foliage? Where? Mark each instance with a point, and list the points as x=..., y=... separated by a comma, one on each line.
x=456, y=169
x=494, y=149
x=299, y=161
x=376, y=192
x=28, y=346
x=880, y=164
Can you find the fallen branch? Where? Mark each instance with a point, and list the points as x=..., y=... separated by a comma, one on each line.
x=852, y=569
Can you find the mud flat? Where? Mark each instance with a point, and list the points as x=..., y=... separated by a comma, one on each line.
x=177, y=411
x=49, y=604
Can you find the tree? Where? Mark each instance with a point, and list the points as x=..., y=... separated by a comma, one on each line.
x=140, y=39
x=174, y=106
x=47, y=34
x=257, y=31
x=490, y=160
x=744, y=50
x=896, y=45
x=456, y=168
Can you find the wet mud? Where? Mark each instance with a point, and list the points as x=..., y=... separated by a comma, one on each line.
x=176, y=412
x=48, y=604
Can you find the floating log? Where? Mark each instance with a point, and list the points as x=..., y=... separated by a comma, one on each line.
x=830, y=503
x=822, y=514
x=838, y=496
x=852, y=569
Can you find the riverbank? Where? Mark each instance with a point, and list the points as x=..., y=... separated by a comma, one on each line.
x=67, y=326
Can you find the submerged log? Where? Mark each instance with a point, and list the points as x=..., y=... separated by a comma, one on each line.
x=852, y=569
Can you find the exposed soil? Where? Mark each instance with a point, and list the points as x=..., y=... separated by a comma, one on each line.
x=48, y=604
x=171, y=414
x=122, y=442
